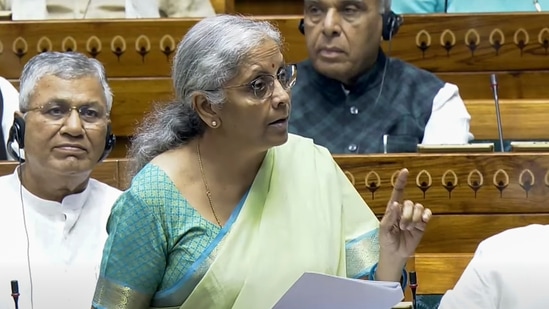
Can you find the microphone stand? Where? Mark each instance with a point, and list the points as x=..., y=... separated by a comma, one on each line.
x=413, y=287
x=494, y=83
x=15, y=293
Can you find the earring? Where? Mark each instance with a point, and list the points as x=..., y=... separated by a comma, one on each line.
x=214, y=123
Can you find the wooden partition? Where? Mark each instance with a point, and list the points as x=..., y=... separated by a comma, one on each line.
x=462, y=49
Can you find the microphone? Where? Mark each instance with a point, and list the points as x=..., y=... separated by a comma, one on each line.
x=15, y=292
x=413, y=287
x=537, y=5
x=494, y=83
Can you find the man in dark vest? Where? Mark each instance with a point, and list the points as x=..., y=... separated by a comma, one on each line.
x=9, y=104
x=351, y=98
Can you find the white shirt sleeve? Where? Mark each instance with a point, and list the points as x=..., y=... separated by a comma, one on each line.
x=11, y=104
x=449, y=121
x=474, y=289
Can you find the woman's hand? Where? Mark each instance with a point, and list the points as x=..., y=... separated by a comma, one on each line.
x=403, y=224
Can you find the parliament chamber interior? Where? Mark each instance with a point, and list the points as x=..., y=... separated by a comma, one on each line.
x=474, y=192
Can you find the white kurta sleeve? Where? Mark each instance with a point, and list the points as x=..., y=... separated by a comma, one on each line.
x=449, y=121
x=475, y=288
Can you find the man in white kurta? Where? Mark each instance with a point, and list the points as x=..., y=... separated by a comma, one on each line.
x=508, y=271
x=10, y=97
x=52, y=214
x=65, y=244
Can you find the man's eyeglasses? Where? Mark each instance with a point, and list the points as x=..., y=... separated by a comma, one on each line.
x=263, y=86
x=58, y=112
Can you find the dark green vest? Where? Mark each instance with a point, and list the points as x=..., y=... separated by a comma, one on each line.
x=357, y=122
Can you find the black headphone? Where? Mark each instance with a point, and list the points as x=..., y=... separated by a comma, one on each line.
x=17, y=134
x=391, y=24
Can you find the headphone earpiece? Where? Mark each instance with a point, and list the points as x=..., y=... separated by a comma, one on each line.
x=17, y=135
x=301, y=26
x=110, y=142
x=391, y=24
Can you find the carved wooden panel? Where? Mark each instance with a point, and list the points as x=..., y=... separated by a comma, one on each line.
x=455, y=184
x=475, y=42
x=129, y=48
x=439, y=43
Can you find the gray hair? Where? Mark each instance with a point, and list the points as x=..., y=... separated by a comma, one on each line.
x=65, y=65
x=210, y=54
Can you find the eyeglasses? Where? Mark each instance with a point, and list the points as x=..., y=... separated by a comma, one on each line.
x=263, y=86
x=58, y=112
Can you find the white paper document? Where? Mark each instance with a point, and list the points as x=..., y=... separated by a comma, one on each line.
x=318, y=291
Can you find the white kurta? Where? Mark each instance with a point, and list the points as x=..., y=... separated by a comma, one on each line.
x=508, y=271
x=65, y=245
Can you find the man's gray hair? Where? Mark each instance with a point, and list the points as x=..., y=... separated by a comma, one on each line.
x=211, y=53
x=65, y=65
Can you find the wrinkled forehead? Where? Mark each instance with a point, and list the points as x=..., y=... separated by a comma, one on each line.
x=76, y=91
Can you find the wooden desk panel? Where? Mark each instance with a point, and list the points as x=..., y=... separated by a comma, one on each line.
x=524, y=180
x=438, y=43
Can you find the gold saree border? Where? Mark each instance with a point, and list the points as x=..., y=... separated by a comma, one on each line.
x=111, y=295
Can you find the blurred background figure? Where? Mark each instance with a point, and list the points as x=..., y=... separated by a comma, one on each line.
x=101, y=9
x=467, y=6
